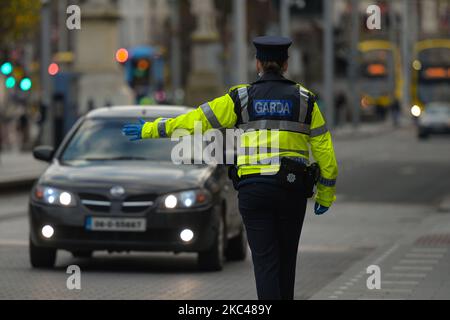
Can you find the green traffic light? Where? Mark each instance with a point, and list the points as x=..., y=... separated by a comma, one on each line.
x=6, y=68
x=10, y=82
x=25, y=84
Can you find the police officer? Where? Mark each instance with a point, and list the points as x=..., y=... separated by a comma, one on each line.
x=284, y=111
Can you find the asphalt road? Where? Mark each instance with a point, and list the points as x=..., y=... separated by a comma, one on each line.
x=388, y=184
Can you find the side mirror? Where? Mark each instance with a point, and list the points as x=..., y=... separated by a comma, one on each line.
x=43, y=153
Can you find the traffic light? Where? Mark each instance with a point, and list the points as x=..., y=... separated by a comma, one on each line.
x=53, y=69
x=25, y=84
x=141, y=68
x=10, y=82
x=122, y=55
x=6, y=68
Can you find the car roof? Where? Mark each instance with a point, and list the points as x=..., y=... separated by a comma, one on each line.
x=167, y=111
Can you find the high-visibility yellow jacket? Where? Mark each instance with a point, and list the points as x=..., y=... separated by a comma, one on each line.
x=270, y=138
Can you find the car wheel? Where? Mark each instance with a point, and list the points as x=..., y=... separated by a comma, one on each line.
x=82, y=254
x=213, y=259
x=41, y=257
x=237, y=247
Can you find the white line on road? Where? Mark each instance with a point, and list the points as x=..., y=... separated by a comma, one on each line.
x=409, y=261
x=430, y=250
x=424, y=255
x=406, y=275
x=412, y=268
x=383, y=290
x=412, y=283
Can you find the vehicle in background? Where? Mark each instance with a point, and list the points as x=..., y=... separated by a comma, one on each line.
x=433, y=119
x=103, y=192
x=380, y=77
x=431, y=74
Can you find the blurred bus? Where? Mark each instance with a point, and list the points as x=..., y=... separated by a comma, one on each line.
x=431, y=72
x=379, y=78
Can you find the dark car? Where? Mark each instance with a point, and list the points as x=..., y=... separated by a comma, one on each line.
x=103, y=192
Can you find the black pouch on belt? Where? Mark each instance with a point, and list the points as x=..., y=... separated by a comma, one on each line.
x=295, y=175
x=292, y=174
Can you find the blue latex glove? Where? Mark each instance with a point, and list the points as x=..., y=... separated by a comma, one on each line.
x=133, y=131
x=319, y=209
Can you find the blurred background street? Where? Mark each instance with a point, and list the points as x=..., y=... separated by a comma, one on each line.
x=382, y=77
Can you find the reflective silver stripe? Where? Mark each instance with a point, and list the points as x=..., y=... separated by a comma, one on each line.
x=96, y=203
x=303, y=92
x=254, y=150
x=209, y=114
x=319, y=131
x=276, y=124
x=162, y=128
x=303, y=108
x=327, y=182
x=243, y=97
x=274, y=161
x=137, y=204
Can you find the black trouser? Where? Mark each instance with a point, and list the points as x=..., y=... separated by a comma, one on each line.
x=273, y=218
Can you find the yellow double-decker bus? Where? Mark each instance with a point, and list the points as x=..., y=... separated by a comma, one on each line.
x=380, y=77
x=431, y=73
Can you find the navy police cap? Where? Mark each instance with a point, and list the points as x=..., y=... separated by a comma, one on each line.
x=271, y=48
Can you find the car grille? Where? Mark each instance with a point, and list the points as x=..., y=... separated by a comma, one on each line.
x=95, y=202
x=138, y=203
x=131, y=204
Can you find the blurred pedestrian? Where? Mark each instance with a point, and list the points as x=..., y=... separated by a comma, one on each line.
x=23, y=128
x=340, y=105
x=395, y=111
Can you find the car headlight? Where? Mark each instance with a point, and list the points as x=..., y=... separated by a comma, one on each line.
x=416, y=111
x=185, y=199
x=53, y=196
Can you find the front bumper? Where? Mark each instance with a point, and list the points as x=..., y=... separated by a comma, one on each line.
x=438, y=128
x=162, y=232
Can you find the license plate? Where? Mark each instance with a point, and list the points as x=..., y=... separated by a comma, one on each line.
x=116, y=224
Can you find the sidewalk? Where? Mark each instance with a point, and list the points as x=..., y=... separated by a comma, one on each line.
x=414, y=268
x=19, y=169
x=367, y=129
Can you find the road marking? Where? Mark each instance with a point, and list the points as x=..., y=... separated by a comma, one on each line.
x=385, y=255
x=430, y=250
x=412, y=283
x=412, y=268
x=424, y=255
x=406, y=275
x=407, y=261
x=382, y=290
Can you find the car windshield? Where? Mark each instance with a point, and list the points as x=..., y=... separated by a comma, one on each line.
x=102, y=140
x=438, y=109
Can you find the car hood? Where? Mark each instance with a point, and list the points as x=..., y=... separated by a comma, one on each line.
x=134, y=176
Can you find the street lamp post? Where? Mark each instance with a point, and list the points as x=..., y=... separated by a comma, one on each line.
x=240, y=39
x=328, y=91
x=175, y=62
x=285, y=18
x=46, y=85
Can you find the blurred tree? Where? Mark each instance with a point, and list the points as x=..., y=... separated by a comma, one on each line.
x=18, y=20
